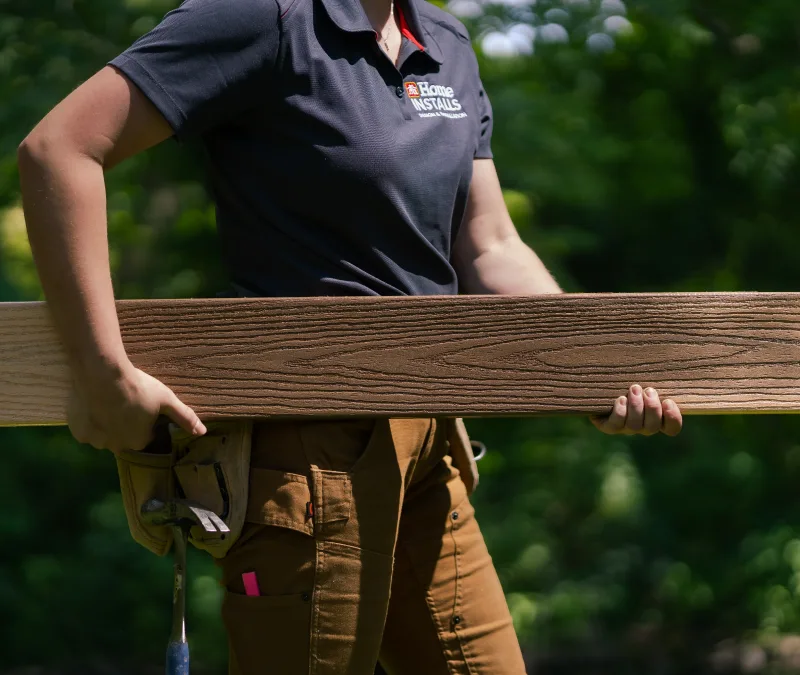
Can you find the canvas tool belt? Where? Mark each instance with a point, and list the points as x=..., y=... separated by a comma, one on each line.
x=214, y=471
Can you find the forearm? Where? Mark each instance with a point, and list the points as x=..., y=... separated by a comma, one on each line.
x=508, y=267
x=63, y=194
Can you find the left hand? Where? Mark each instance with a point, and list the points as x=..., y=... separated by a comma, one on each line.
x=643, y=413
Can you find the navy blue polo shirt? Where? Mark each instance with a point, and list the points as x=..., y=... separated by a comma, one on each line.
x=334, y=171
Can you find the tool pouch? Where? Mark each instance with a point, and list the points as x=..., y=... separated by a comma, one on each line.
x=461, y=452
x=146, y=475
x=212, y=470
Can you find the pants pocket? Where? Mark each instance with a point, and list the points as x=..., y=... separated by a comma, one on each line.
x=268, y=633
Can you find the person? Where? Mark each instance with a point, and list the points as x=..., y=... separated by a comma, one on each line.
x=348, y=146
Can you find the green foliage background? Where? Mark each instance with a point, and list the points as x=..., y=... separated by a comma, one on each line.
x=667, y=163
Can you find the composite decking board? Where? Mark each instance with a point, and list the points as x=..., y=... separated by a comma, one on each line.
x=463, y=355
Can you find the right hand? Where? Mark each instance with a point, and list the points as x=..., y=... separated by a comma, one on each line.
x=118, y=411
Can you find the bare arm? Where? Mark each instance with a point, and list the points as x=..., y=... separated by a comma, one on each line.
x=490, y=258
x=61, y=170
x=61, y=164
x=488, y=254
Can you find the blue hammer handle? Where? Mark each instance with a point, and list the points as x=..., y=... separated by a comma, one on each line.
x=177, y=658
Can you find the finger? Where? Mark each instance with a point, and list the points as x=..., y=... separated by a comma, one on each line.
x=98, y=441
x=615, y=422
x=79, y=425
x=635, y=419
x=85, y=433
x=653, y=412
x=138, y=446
x=182, y=414
x=80, y=432
x=673, y=419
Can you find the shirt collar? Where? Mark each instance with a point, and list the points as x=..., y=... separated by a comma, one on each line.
x=349, y=16
x=413, y=27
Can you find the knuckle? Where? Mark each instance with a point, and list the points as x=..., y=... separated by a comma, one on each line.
x=652, y=403
x=139, y=445
x=83, y=433
x=79, y=435
x=635, y=419
x=672, y=417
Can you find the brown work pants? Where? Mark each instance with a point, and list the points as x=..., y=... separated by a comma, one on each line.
x=365, y=548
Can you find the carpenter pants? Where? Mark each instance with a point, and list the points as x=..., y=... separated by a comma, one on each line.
x=365, y=548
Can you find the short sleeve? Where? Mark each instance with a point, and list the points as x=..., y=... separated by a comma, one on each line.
x=206, y=62
x=486, y=122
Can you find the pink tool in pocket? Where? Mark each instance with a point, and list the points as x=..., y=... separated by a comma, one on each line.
x=250, y=583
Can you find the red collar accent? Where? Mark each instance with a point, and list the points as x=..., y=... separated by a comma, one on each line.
x=406, y=31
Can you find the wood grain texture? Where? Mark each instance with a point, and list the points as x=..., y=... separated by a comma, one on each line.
x=466, y=356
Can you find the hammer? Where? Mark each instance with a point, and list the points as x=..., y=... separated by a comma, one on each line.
x=181, y=515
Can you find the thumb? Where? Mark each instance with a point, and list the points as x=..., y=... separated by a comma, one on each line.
x=181, y=414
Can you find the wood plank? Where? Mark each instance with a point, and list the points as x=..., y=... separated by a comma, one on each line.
x=467, y=356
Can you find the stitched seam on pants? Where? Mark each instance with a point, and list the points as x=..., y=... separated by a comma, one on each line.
x=440, y=629
x=315, y=600
x=457, y=600
x=457, y=594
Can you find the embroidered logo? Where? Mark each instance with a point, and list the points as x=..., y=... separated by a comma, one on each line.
x=412, y=89
x=434, y=100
